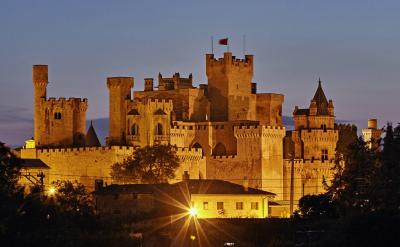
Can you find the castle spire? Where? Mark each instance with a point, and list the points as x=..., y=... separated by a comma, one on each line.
x=320, y=100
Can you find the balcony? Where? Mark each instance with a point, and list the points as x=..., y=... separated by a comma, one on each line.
x=132, y=138
x=161, y=138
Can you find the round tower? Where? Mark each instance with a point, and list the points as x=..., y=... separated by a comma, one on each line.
x=119, y=91
x=372, y=134
x=40, y=81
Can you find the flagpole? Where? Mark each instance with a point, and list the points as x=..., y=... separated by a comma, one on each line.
x=212, y=44
x=244, y=45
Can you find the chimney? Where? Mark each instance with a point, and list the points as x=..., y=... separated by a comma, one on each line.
x=185, y=176
x=98, y=184
x=245, y=183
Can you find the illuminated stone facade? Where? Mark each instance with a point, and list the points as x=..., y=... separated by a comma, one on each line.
x=310, y=147
x=222, y=130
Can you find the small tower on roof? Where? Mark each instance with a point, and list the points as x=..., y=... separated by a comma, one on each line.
x=91, y=137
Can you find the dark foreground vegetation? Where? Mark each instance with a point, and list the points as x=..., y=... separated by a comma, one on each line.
x=361, y=208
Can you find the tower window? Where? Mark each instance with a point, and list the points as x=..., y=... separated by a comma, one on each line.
x=324, y=155
x=57, y=115
x=323, y=126
x=135, y=130
x=159, y=129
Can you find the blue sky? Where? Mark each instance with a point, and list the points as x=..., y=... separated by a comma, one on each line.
x=352, y=45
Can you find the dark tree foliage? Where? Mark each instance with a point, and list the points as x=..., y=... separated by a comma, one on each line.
x=150, y=164
x=72, y=198
x=347, y=136
x=368, y=180
x=316, y=206
x=11, y=194
x=387, y=179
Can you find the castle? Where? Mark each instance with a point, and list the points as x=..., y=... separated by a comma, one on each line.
x=224, y=130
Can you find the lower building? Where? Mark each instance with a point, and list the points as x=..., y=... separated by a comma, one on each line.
x=202, y=198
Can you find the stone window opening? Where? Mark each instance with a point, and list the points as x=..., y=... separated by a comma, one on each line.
x=323, y=126
x=205, y=205
x=57, y=115
x=220, y=205
x=135, y=130
x=219, y=150
x=159, y=129
x=324, y=155
x=239, y=205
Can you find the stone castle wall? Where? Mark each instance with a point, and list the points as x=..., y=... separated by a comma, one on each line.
x=87, y=164
x=308, y=177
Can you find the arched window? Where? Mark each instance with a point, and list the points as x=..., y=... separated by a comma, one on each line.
x=219, y=150
x=135, y=130
x=159, y=129
x=196, y=145
x=57, y=115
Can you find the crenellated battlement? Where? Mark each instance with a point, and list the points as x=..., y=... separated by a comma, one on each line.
x=80, y=104
x=319, y=134
x=151, y=100
x=120, y=82
x=224, y=157
x=82, y=150
x=257, y=131
x=229, y=60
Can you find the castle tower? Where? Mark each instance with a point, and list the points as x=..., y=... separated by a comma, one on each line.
x=314, y=132
x=229, y=81
x=148, y=84
x=40, y=81
x=119, y=91
x=372, y=134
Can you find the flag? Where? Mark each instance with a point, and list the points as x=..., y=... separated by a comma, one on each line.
x=223, y=41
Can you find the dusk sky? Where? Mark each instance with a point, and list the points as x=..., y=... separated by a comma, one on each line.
x=354, y=46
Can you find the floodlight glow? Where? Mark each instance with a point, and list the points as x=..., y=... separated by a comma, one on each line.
x=52, y=191
x=192, y=212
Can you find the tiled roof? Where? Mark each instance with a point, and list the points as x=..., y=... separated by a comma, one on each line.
x=301, y=112
x=213, y=186
x=91, y=137
x=34, y=163
x=133, y=112
x=320, y=99
x=194, y=186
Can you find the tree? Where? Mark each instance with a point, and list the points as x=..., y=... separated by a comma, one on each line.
x=316, y=206
x=387, y=184
x=368, y=180
x=150, y=164
x=11, y=194
x=72, y=198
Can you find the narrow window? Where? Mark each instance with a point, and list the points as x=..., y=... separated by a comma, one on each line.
x=205, y=205
x=324, y=155
x=239, y=205
x=220, y=205
x=135, y=130
x=254, y=205
x=159, y=129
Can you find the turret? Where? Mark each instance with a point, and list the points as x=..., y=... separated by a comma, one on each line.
x=331, y=108
x=148, y=84
x=372, y=134
x=119, y=91
x=40, y=81
x=313, y=108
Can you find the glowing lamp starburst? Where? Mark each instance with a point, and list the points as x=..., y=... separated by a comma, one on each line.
x=52, y=191
x=192, y=212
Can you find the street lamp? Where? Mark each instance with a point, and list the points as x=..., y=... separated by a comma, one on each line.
x=52, y=191
x=192, y=212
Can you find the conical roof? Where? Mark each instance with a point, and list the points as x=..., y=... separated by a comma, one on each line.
x=91, y=137
x=320, y=100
